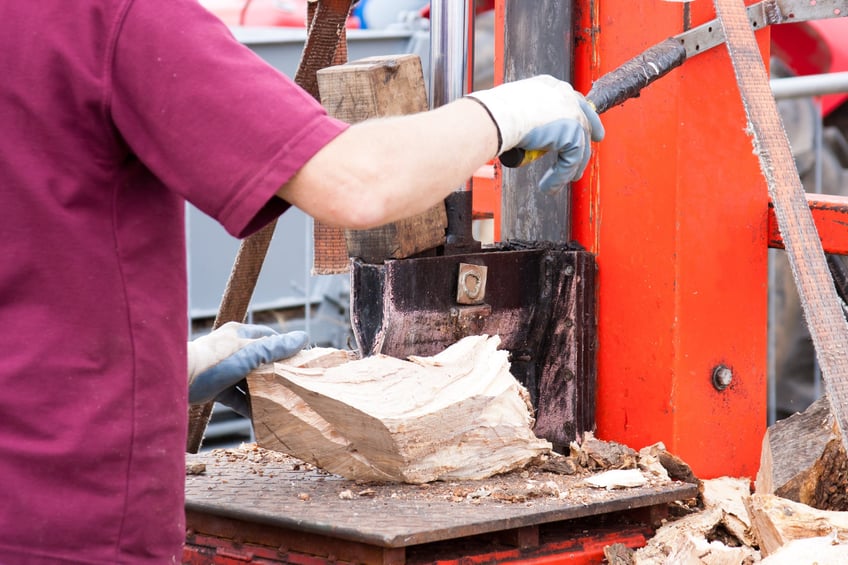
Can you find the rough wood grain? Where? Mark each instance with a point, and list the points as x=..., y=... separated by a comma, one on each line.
x=692, y=540
x=717, y=535
x=820, y=551
x=376, y=87
x=457, y=415
x=777, y=521
x=729, y=494
x=821, y=304
x=803, y=460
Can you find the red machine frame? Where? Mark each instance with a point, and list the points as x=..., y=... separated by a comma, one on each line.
x=675, y=207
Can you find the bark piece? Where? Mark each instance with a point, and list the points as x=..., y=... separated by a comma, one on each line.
x=457, y=415
x=674, y=466
x=618, y=554
x=595, y=454
x=803, y=460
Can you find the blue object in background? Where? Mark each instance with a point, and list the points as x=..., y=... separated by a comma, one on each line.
x=359, y=12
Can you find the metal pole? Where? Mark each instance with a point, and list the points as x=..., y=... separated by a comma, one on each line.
x=809, y=85
x=451, y=42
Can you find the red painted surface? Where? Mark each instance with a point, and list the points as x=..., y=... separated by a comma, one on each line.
x=584, y=549
x=830, y=214
x=675, y=208
x=486, y=196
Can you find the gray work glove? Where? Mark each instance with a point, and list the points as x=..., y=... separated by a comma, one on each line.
x=220, y=360
x=543, y=113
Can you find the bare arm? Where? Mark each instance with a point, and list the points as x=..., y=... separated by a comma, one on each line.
x=383, y=170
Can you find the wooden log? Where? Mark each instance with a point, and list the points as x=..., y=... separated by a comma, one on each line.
x=716, y=535
x=803, y=460
x=457, y=415
x=690, y=540
x=730, y=494
x=820, y=551
x=376, y=87
x=777, y=521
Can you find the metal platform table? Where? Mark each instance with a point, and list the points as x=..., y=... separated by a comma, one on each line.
x=255, y=504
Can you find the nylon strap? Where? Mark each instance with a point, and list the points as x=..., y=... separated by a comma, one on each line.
x=821, y=304
x=326, y=44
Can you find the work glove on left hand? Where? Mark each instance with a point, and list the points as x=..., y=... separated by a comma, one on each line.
x=543, y=113
x=221, y=359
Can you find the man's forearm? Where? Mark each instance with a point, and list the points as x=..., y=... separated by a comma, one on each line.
x=383, y=170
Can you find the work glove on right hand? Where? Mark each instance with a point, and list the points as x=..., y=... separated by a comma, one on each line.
x=543, y=113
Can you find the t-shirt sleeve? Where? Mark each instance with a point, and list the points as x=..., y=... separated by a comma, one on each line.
x=207, y=116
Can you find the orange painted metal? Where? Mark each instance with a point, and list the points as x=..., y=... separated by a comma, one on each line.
x=486, y=196
x=674, y=206
x=585, y=548
x=830, y=214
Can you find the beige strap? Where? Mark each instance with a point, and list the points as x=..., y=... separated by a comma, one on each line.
x=822, y=308
x=326, y=44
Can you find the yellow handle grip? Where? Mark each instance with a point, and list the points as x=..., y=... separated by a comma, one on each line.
x=517, y=157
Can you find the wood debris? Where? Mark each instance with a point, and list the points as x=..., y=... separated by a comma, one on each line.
x=195, y=468
x=796, y=515
x=617, y=478
x=457, y=415
x=706, y=536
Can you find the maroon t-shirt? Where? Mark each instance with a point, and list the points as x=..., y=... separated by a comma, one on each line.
x=111, y=114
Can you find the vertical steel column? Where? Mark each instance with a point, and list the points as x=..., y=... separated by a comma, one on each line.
x=451, y=62
x=536, y=38
x=675, y=207
x=449, y=54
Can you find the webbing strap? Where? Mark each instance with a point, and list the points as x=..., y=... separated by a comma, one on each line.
x=822, y=307
x=326, y=44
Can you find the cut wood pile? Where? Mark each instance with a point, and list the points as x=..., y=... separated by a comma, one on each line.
x=796, y=513
x=461, y=415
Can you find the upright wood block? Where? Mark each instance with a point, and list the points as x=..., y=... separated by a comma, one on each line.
x=386, y=85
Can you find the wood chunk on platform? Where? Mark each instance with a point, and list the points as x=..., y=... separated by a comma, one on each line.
x=457, y=415
x=803, y=459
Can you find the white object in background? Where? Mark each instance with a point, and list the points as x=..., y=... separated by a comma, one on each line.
x=380, y=14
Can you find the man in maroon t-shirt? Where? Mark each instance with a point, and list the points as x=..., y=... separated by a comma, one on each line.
x=113, y=113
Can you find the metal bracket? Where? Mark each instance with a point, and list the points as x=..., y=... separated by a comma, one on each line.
x=762, y=14
x=471, y=284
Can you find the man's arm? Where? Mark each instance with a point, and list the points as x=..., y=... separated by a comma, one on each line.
x=382, y=170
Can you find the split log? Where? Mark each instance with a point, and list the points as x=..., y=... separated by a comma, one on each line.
x=457, y=415
x=803, y=460
x=777, y=521
x=820, y=551
x=694, y=540
x=729, y=494
x=717, y=535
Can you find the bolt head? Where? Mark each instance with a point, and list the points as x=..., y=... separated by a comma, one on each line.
x=722, y=377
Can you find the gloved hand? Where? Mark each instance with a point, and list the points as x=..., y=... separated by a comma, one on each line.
x=544, y=113
x=223, y=358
